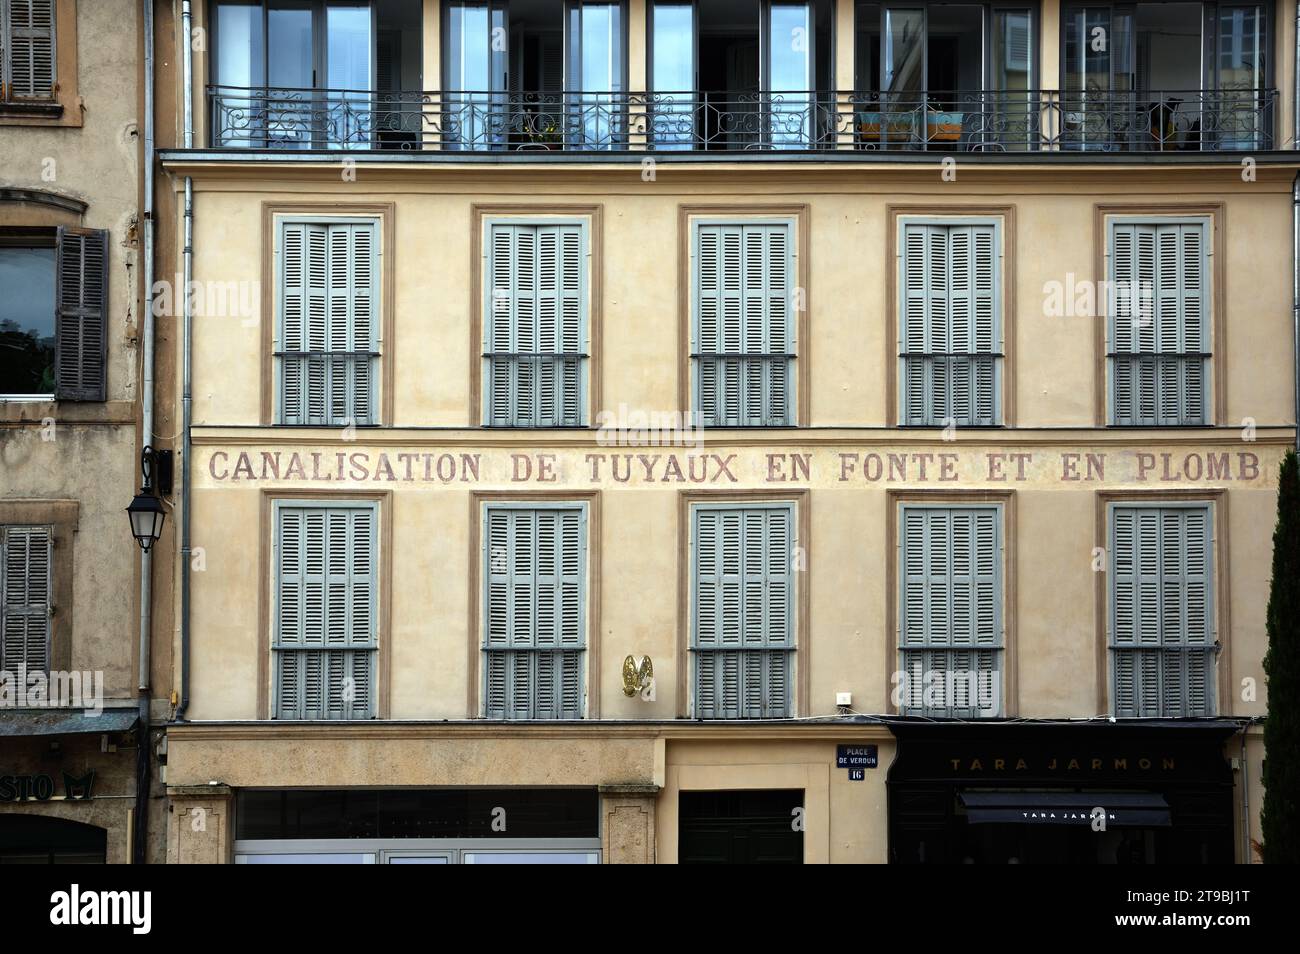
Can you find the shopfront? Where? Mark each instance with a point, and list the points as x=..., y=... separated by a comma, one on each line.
x=418, y=826
x=1092, y=792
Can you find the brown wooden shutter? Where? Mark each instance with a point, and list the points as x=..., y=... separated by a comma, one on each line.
x=81, y=314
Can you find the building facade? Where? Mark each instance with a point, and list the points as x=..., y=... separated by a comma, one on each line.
x=77, y=779
x=746, y=431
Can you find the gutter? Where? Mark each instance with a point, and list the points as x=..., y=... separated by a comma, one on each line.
x=187, y=320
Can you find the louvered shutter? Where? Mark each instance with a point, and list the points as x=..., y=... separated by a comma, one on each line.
x=1159, y=334
x=326, y=613
x=1161, y=613
x=81, y=314
x=536, y=325
x=28, y=51
x=744, y=324
x=950, y=337
x=25, y=588
x=535, y=612
x=950, y=621
x=743, y=612
x=329, y=323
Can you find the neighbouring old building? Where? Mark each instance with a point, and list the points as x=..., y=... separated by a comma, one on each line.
x=75, y=746
x=907, y=384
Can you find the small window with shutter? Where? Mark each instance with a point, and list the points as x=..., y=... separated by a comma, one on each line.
x=534, y=618
x=742, y=610
x=950, y=323
x=26, y=562
x=1158, y=307
x=535, y=325
x=743, y=305
x=53, y=336
x=27, y=52
x=1163, y=642
x=325, y=629
x=328, y=341
x=951, y=636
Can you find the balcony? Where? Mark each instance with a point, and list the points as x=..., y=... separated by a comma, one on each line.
x=282, y=118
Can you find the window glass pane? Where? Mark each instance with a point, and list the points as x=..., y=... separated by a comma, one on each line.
x=531, y=858
x=1241, y=50
x=674, y=44
x=308, y=858
x=27, y=320
x=866, y=46
x=239, y=44
x=1013, y=50
x=348, y=41
x=904, y=50
x=289, y=33
x=419, y=860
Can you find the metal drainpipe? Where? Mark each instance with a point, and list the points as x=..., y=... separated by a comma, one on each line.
x=187, y=95
x=1245, y=802
x=143, y=755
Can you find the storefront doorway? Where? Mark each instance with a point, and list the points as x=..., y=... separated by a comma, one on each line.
x=741, y=827
x=42, y=840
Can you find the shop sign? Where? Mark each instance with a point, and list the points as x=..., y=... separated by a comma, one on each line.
x=40, y=788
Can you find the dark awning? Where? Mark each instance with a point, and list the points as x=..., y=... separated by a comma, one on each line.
x=36, y=722
x=1123, y=809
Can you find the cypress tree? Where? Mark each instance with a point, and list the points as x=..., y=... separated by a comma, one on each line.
x=1280, y=815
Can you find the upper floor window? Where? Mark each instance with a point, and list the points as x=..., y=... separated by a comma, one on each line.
x=946, y=75
x=327, y=304
x=535, y=330
x=53, y=314
x=535, y=610
x=951, y=632
x=742, y=610
x=1170, y=76
x=950, y=323
x=743, y=304
x=28, y=52
x=1162, y=623
x=1158, y=327
x=316, y=74
x=534, y=76
x=26, y=584
x=324, y=628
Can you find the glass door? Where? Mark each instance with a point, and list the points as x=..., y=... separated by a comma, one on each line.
x=788, y=84
x=1098, y=104
x=902, y=77
x=1008, y=118
x=290, y=74
x=476, y=48
x=349, y=45
x=671, y=111
x=1236, y=65
x=594, y=75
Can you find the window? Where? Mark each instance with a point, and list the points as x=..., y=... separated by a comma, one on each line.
x=26, y=584
x=535, y=627
x=53, y=313
x=742, y=323
x=324, y=632
x=951, y=633
x=328, y=329
x=1162, y=627
x=535, y=337
x=1159, y=347
x=27, y=52
x=950, y=332
x=742, y=610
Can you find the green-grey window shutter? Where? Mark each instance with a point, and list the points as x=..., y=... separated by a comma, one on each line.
x=744, y=324
x=535, y=612
x=25, y=591
x=1161, y=614
x=326, y=625
x=81, y=314
x=950, y=335
x=743, y=630
x=27, y=50
x=328, y=323
x=536, y=325
x=951, y=620
x=1159, y=333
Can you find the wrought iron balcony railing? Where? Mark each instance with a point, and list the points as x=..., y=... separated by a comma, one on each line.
x=962, y=121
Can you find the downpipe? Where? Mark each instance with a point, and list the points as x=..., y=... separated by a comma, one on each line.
x=187, y=319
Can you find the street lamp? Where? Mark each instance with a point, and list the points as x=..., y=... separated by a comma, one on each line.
x=146, y=511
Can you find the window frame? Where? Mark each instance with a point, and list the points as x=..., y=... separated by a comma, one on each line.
x=797, y=505
x=589, y=230
x=1002, y=272
x=39, y=237
x=793, y=222
x=1210, y=505
x=484, y=505
x=1212, y=365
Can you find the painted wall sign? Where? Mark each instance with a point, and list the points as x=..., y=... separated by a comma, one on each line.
x=857, y=756
x=40, y=788
x=938, y=466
